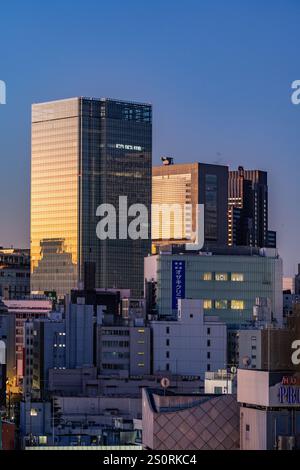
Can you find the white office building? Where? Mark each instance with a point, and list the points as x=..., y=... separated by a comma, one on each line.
x=190, y=345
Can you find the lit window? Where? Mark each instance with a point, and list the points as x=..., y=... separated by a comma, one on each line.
x=33, y=412
x=207, y=304
x=42, y=440
x=239, y=277
x=221, y=304
x=237, y=305
x=141, y=364
x=207, y=276
x=141, y=353
x=141, y=331
x=221, y=277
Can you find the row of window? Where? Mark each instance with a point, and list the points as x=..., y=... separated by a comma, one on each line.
x=115, y=344
x=224, y=304
x=235, y=277
x=115, y=332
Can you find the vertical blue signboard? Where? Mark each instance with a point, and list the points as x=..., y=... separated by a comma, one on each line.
x=178, y=282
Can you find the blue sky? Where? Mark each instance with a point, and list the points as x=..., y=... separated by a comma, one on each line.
x=217, y=72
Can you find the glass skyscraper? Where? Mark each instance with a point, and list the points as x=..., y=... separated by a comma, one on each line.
x=86, y=152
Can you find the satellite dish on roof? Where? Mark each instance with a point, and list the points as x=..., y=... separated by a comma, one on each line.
x=165, y=382
x=246, y=361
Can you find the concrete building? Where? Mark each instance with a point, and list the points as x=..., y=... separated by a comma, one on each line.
x=80, y=421
x=20, y=312
x=228, y=281
x=190, y=184
x=220, y=382
x=189, y=422
x=49, y=351
x=79, y=333
x=190, y=345
x=267, y=347
x=270, y=409
x=289, y=302
x=124, y=350
x=87, y=382
x=7, y=336
x=14, y=273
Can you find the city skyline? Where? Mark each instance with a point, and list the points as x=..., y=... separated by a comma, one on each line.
x=216, y=99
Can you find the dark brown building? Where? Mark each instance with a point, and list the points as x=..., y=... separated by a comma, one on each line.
x=248, y=209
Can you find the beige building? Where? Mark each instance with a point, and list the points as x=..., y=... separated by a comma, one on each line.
x=187, y=185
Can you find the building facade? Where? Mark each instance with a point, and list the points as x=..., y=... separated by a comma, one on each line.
x=21, y=312
x=190, y=345
x=248, y=209
x=87, y=152
x=14, y=273
x=49, y=351
x=190, y=184
x=123, y=350
x=270, y=409
x=228, y=283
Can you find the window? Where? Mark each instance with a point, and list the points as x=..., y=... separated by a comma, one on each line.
x=237, y=277
x=237, y=305
x=211, y=207
x=167, y=354
x=218, y=390
x=167, y=366
x=33, y=412
x=207, y=276
x=167, y=330
x=191, y=315
x=208, y=331
x=207, y=304
x=208, y=367
x=221, y=304
x=167, y=342
x=208, y=343
x=208, y=355
x=221, y=277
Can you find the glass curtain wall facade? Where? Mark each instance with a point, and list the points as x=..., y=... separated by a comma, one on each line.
x=86, y=152
x=55, y=196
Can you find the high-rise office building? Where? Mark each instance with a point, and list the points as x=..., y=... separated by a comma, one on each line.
x=248, y=209
x=187, y=185
x=87, y=152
